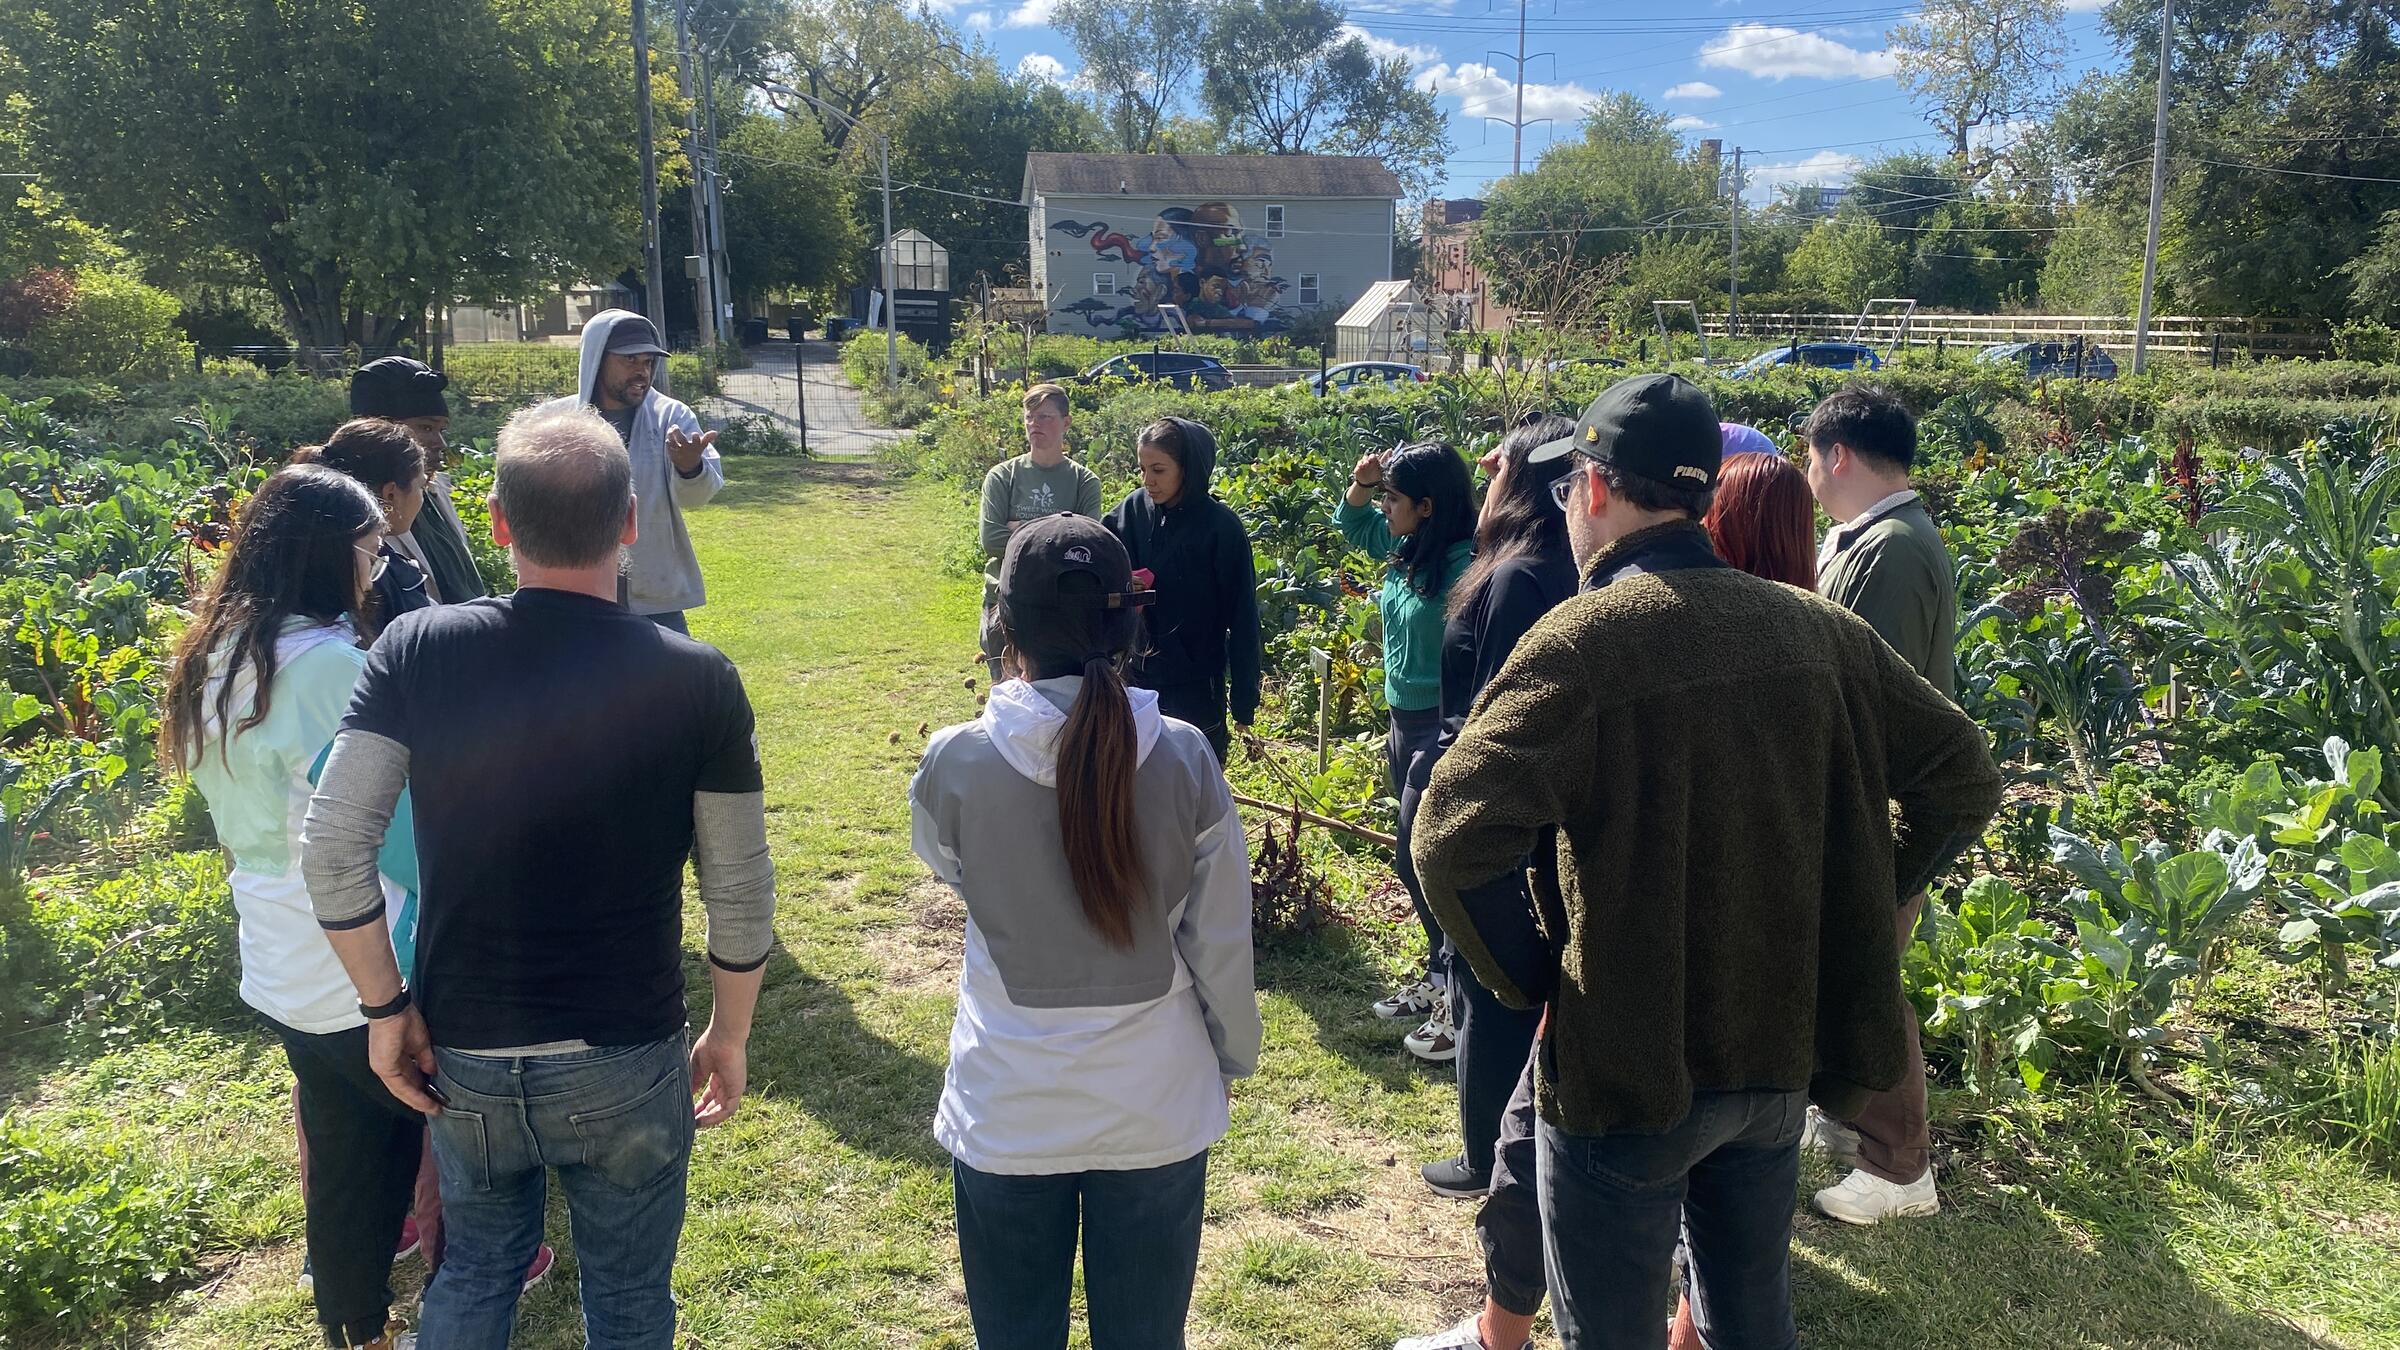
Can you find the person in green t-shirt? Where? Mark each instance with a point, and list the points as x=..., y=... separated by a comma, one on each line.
x=1414, y=510
x=1040, y=482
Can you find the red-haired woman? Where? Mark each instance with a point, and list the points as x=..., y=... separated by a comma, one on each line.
x=1764, y=520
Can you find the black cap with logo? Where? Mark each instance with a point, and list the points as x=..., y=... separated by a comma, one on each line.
x=1660, y=427
x=1045, y=551
x=633, y=335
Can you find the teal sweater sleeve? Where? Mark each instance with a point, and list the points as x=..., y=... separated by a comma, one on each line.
x=1364, y=527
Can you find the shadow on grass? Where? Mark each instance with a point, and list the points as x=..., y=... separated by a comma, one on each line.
x=809, y=1045
x=1335, y=981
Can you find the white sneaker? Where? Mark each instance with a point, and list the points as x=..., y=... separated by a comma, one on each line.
x=1830, y=1137
x=1866, y=1199
x=1464, y=1336
x=1414, y=1001
x=1436, y=1040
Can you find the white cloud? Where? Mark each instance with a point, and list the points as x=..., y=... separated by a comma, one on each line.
x=1826, y=168
x=1483, y=91
x=1695, y=89
x=1417, y=54
x=980, y=21
x=1031, y=14
x=1772, y=53
x=1042, y=66
x=1687, y=122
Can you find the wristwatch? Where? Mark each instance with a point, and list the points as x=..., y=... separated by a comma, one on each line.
x=377, y=1012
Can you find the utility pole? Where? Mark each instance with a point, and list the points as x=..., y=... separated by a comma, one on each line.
x=891, y=302
x=1518, y=123
x=2158, y=182
x=654, y=280
x=1733, y=278
x=704, y=278
x=716, y=195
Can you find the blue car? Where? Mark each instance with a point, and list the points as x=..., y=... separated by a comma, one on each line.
x=2055, y=359
x=1816, y=355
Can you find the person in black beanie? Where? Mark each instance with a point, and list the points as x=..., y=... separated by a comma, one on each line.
x=398, y=389
x=1203, y=627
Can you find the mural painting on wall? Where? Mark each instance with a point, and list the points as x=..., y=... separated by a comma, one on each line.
x=1196, y=257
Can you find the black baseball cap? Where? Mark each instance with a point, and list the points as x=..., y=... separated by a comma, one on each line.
x=398, y=388
x=633, y=336
x=1045, y=551
x=1660, y=427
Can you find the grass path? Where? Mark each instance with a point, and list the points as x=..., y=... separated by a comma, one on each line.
x=821, y=1216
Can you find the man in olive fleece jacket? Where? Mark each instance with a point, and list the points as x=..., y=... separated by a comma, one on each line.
x=1719, y=755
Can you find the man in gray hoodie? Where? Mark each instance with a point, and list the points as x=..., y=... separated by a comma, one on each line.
x=675, y=463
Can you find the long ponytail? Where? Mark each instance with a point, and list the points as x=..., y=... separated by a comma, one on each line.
x=1095, y=802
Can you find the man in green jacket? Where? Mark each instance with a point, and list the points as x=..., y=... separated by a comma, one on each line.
x=1719, y=756
x=1040, y=482
x=1884, y=561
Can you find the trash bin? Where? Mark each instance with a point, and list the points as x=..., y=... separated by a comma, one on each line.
x=797, y=327
x=754, y=332
x=837, y=329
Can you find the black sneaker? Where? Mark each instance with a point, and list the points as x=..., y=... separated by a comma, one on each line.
x=1451, y=1177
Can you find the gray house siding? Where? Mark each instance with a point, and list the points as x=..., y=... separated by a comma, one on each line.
x=1237, y=265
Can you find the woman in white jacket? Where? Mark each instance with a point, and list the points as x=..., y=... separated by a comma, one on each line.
x=1106, y=1002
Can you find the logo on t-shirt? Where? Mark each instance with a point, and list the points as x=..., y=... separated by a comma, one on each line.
x=1043, y=498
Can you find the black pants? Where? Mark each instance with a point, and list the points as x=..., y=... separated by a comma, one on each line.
x=1202, y=705
x=1494, y=1045
x=1408, y=751
x=363, y=1150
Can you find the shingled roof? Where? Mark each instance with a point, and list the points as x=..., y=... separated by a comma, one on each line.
x=1055, y=174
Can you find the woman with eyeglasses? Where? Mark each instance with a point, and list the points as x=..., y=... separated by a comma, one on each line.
x=386, y=460
x=256, y=688
x=1413, y=509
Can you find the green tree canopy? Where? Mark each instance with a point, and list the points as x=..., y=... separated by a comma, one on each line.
x=362, y=158
x=1139, y=57
x=969, y=134
x=1595, y=198
x=1853, y=261
x=1284, y=77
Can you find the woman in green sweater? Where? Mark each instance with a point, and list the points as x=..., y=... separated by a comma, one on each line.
x=1414, y=508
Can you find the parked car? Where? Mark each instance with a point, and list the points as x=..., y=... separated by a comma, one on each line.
x=1819, y=355
x=2053, y=359
x=1184, y=370
x=1359, y=374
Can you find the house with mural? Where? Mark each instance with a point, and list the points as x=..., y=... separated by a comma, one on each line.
x=1236, y=245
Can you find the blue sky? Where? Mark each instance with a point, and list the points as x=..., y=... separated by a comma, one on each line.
x=1804, y=85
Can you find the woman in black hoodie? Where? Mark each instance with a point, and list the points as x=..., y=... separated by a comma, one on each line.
x=1202, y=641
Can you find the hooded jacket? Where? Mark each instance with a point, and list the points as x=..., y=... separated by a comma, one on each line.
x=1203, y=627
x=1068, y=1054
x=662, y=574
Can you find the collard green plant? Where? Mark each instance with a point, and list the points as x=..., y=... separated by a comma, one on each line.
x=1979, y=980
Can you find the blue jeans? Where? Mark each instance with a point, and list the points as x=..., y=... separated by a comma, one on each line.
x=617, y=1124
x=1611, y=1206
x=1141, y=1250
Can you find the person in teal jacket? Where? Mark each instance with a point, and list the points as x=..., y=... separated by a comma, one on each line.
x=1415, y=509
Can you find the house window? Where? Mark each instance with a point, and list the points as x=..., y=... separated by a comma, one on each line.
x=1104, y=283
x=1308, y=288
x=1274, y=222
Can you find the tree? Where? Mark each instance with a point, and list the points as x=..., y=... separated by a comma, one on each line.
x=969, y=134
x=1139, y=56
x=2375, y=274
x=1977, y=65
x=365, y=160
x=1285, y=78
x=1626, y=178
x=790, y=220
x=1966, y=245
x=1852, y=261
x=860, y=56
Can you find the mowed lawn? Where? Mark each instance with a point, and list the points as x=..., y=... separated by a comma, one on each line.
x=821, y=1216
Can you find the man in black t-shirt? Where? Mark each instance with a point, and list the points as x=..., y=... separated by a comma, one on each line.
x=564, y=757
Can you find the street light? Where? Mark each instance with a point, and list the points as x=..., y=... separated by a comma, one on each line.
x=883, y=155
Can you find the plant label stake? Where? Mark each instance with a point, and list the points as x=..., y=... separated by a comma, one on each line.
x=1321, y=661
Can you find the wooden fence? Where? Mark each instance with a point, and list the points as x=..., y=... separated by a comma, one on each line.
x=2216, y=338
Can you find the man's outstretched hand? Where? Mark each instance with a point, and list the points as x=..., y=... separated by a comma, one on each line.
x=686, y=449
